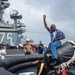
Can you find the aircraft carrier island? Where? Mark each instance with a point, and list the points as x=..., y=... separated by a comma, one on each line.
x=10, y=34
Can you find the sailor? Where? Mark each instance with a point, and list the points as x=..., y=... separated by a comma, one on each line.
x=2, y=52
x=56, y=35
x=40, y=47
x=27, y=48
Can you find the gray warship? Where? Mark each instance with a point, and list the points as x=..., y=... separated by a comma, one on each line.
x=10, y=34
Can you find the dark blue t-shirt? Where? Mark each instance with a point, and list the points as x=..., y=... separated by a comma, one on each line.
x=41, y=47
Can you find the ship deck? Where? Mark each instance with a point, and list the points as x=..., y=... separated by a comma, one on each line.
x=16, y=52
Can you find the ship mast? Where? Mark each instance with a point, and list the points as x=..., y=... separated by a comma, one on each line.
x=15, y=16
x=3, y=5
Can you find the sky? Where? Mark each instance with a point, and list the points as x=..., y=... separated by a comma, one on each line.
x=58, y=12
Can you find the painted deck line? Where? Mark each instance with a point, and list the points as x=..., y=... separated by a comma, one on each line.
x=20, y=54
x=15, y=55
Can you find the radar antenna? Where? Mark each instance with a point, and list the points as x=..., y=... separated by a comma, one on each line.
x=14, y=14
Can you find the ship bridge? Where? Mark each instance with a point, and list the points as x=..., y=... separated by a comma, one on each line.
x=10, y=33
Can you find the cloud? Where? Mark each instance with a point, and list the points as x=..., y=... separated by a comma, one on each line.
x=59, y=12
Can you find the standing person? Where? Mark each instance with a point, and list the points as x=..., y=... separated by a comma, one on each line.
x=40, y=47
x=56, y=35
x=36, y=47
x=2, y=52
x=27, y=48
x=32, y=47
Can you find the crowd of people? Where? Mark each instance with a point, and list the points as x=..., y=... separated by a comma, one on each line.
x=29, y=48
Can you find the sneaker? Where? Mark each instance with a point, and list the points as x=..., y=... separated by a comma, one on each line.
x=53, y=62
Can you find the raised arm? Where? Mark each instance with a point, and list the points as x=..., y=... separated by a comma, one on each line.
x=45, y=24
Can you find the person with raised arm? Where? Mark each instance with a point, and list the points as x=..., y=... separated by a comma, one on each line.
x=56, y=35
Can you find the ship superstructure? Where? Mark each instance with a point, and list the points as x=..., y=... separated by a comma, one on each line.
x=10, y=34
